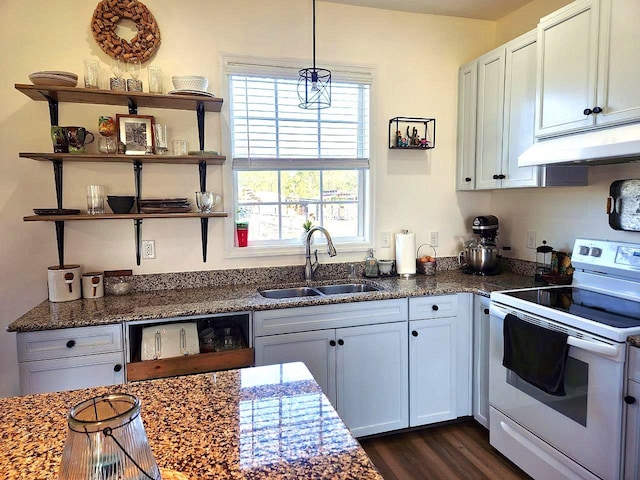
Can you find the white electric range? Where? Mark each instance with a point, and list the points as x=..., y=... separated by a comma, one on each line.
x=578, y=433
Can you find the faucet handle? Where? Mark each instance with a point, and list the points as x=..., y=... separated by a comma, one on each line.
x=315, y=254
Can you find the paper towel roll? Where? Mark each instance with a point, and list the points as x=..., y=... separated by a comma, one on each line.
x=406, y=254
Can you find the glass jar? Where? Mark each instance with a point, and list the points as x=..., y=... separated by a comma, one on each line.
x=371, y=265
x=106, y=439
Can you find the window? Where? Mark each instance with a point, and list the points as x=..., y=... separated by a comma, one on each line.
x=291, y=165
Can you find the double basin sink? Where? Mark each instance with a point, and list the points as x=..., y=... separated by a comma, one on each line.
x=319, y=290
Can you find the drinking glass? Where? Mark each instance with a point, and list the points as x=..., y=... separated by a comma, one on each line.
x=155, y=79
x=91, y=73
x=95, y=199
x=205, y=201
x=118, y=69
x=160, y=133
x=179, y=147
x=133, y=84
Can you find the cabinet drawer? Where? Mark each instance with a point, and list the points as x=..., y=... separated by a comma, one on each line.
x=634, y=364
x=69, y=342
x=437, y=306
x=319, y=317
x=71, y=373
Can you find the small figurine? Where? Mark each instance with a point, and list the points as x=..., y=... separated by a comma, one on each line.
x=398, y=138
x=413, y=136
x=424, y=143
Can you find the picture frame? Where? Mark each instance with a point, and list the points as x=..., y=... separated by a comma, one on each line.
x=136, y=133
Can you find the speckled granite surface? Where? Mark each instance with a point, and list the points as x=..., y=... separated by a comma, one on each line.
x=258, y=423
x=634, y=340
x=236, y=298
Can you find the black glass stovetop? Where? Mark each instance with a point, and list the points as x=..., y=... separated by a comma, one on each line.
x=606, y=309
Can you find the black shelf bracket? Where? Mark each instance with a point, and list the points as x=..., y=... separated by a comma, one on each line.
x=60, y=241
x=204, y=222
x=133, y=108
x=53, y=109
x=200, y=115
x=57, y=176
x=137, y=171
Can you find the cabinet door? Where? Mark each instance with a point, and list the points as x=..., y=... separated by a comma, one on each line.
x=490, y=117
x=567, y=68
x=466, y=142
x=519, y=111
x=619, y=62
x=372, y=377
x=632, y=448
x=71, y=373
x=432, y=370
x=312, y=348
x=481, y=360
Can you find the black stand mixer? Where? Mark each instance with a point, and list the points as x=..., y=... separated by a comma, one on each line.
x=481, y=255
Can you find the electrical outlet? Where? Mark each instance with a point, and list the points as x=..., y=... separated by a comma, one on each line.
x=531, y=240
x=149, y=249
x=434, y=239
x=385, y=240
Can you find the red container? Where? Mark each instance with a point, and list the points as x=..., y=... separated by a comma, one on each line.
x=242, y=235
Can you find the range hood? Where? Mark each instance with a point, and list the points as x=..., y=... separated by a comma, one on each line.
x=598, y=147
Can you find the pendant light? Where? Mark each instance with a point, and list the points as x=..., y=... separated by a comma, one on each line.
x=314, y=84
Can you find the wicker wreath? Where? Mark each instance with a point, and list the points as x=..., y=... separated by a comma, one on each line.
x=105, y=21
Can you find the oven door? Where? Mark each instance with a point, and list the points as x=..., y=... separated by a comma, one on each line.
x=585, y=424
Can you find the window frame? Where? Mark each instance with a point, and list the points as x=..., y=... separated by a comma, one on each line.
x=282, y=68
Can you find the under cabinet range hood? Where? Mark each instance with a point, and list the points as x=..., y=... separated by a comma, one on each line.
x=599, y=147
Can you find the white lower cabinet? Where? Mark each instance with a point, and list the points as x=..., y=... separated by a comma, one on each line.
x=632, y=400
x=362, y=369
x=439, y=358
x=481, y=359
x=67, y=359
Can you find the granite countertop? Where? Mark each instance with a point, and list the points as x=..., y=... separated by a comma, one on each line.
x=259, y=423
x=634, y=340
x=237, y=298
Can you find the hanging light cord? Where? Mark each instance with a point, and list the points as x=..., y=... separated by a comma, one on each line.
x=314, y=35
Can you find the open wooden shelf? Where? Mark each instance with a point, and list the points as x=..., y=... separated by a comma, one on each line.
x=110, y=97
x=200, y=363
x=119, y=216
x=107, y=158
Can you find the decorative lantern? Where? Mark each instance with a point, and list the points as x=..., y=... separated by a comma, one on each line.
x=106, y=441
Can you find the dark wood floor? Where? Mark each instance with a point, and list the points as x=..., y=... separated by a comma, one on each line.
x=447, y=452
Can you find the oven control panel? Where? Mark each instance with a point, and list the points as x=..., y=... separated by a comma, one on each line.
x=607, y=257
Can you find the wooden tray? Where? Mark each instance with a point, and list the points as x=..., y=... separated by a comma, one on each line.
x=623, y=205
x=200, y=363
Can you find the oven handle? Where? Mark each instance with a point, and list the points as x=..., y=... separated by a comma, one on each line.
x=592, y=346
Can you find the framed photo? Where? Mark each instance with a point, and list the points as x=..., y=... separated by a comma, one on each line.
x=136, y=132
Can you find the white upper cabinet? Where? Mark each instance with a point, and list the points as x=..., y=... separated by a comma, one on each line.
x=588, y=66
x=466, y=143
x=519, y=111
x=490, y=115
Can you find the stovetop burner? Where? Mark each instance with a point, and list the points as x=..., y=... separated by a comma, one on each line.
x=471, y=271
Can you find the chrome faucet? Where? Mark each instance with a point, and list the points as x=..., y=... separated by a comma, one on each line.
x=309, y=268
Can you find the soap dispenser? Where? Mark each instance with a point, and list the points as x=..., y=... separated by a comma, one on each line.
x=371, y=265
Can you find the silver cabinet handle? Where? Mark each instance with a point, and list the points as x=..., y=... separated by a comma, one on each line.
x=158, y=345
x=183, y=342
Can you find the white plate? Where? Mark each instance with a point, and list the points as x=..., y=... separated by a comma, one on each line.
x=52, y=80
x=55, y=72
x=191, y=92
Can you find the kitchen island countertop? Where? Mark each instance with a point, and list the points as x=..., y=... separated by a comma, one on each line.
x=238, y=298
x=259, y=423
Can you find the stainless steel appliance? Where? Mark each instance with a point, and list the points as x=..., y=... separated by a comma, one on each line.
x=578, y=434
x=481, y=254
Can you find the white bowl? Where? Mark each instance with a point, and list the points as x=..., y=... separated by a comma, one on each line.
x=190, y=82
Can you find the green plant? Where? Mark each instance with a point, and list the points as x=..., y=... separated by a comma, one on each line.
x=307, y=225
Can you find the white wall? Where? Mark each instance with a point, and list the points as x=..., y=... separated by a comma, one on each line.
x=416, y=58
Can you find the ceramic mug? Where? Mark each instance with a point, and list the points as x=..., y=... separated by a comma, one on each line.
x=60, y=144
x=77, y=138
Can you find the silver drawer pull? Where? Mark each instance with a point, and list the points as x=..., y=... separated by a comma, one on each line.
x=183, y=342
x=158, y=345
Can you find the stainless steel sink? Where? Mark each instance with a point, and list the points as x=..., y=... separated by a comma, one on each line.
x=320, y=290
x=289, y=292
x=347, y=288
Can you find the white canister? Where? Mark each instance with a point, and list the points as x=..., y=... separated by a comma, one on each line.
x=93, y=285
x=64, y=283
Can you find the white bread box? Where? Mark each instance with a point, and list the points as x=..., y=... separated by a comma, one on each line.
x=170, y=340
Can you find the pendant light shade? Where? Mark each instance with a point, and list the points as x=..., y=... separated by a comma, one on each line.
x=314, y=84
